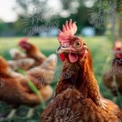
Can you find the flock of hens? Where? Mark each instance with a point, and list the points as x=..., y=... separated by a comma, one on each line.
x=77, y=98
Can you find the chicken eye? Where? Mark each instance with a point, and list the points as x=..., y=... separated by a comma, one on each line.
x=77, y=44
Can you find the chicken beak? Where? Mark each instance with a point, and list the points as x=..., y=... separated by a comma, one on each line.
x=62, y=49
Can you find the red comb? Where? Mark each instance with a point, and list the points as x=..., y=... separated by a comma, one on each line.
x=68, y=31
x=23, y=41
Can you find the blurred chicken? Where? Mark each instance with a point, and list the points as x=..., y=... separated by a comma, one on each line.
x=77, y=97
x=25, y=63
x=113, y=77
x=32, y=51
x=44, y=73
x=20, y=60
x=17, y=54
x=15, y=89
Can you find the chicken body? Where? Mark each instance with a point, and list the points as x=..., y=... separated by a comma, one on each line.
x=16, y=54
x=44, y=73
x=77, y=97
x=15, y=89
x=13, y=92
x=113, y=79
x=25, y=63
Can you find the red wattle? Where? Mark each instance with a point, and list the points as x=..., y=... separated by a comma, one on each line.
x=62, y=57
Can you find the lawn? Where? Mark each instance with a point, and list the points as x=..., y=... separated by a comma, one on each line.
x=101, y=53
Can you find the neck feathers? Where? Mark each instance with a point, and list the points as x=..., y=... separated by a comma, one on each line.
x=81, y=77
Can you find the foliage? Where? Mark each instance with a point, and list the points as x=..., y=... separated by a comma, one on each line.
x=38, y=13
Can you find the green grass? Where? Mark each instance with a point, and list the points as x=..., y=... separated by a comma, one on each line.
x=101, y=49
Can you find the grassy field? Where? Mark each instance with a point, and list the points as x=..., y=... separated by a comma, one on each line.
x=101, y=52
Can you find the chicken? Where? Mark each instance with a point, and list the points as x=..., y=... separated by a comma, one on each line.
x=16, y=90
x=20, y=60
x=13, y=91
x=44, y=73
x=77, y=97
x=113, y=78
x=32, y=51
x=16, y=54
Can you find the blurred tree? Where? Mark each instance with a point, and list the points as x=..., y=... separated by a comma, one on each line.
x=78, y=10
x=33, y=13
x=24, y=6
x=6, y=29
x=18, y=26
x=109, y=13
x=119, y=10
x=3, y=26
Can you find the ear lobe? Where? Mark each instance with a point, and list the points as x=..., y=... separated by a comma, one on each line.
x=62, y=57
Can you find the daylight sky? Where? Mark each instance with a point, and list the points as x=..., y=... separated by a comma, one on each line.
x=7, y=14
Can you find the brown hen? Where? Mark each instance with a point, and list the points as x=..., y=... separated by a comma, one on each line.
x=16, y=90
x=77, y=97
x=32, y=51
x=113, y=78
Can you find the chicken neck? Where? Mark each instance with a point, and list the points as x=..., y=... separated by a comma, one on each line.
x=79, y=76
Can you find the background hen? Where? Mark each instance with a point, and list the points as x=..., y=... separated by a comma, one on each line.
x=19, y=60
x=113, y=77
x=77, y=97
x=32, y=58
x=32, y=51
x=16, y=89
x=44, y=73
x=16, y=54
